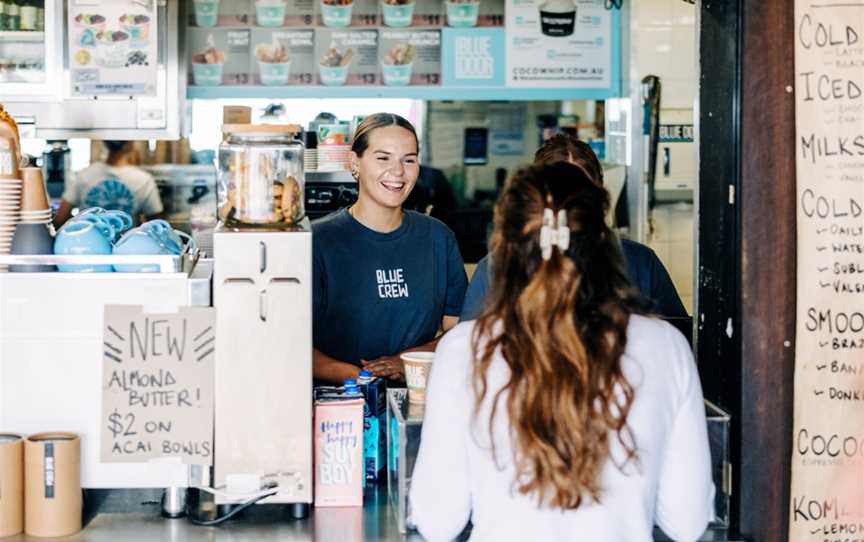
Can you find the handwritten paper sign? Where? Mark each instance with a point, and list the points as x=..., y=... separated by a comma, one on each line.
x=827, y=498
x=157, y=384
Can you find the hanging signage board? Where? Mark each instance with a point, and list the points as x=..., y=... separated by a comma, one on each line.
x=827, y=495
x=559, y=43
x=112, y=47
x=157, y=384
x=491, y=50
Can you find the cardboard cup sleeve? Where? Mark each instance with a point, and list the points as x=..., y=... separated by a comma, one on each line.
x=11, y=484
x=52, y=495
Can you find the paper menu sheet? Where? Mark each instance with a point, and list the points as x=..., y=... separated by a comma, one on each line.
x=827, y=493
x=112, y=47
x=157, y=384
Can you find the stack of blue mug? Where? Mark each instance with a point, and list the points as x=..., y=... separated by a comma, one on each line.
x=96, y=231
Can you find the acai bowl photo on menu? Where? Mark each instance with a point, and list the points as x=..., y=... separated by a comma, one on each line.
x=138, y=28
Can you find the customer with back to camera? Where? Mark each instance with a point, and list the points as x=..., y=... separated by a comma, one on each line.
x=562, y=413
x=643, y=266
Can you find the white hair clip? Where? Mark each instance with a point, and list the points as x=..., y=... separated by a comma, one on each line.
x=554, y=232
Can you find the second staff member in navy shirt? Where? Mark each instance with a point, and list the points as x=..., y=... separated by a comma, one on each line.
x=644, y=268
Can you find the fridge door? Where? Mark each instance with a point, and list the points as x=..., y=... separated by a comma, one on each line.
x=30, y=54
x=88, y=91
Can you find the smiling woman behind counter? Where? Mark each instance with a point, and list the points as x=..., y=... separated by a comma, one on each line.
x=385, y=280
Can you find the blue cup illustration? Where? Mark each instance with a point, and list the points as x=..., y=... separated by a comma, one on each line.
x=397, y=75
x=270, y=13
x=399, y=15
x=84, y=237
x=207, y=75
x=206, y=13
x=462, y=15
x=336, y=16
x=274, y=73
x=332, y=76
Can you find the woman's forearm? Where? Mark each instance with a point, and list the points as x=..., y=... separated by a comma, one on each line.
x=330, y=369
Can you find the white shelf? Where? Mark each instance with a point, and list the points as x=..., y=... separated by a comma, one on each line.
x=22, y=35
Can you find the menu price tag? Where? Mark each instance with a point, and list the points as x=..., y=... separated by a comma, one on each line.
x=157, y=384
x=827, y=494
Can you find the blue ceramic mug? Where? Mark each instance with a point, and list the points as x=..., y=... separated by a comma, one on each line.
x=118, y=220
x=121, y=220
x=84, y=237
x=150, y=241
x=176, y=240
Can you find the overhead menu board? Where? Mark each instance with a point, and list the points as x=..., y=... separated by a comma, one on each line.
x=827, y=497
x=431, y=44
x=112, y=47
x=157, y=384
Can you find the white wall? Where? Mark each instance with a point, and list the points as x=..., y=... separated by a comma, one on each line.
x=206, y=129
x=446, y=123
x=664, y=43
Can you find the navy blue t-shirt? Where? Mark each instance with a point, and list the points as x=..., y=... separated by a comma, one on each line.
x=378, y=294
x=644, y=268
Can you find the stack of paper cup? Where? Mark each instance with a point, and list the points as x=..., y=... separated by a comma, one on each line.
x=310, y=160
x=52, y=496
x=35, y=208
x=417, y=367
x=10, y=213
x=11, y=484
x=334, y=157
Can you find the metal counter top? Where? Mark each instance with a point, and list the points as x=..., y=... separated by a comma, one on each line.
x=133, y=515
x=141, y=521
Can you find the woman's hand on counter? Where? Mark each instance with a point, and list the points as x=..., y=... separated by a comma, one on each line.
x=386, y=367
x=330, y=369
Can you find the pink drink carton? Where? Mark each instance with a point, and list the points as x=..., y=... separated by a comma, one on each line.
x=339, y=466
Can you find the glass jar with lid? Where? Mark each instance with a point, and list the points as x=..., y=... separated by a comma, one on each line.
x=261, y=179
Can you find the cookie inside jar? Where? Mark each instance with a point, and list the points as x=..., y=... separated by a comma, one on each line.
x=261, y=175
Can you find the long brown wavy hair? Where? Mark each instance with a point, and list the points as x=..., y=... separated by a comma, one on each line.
x=561, y=327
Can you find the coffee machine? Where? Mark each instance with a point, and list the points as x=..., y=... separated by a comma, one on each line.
x=263, y=298
x=56, y=164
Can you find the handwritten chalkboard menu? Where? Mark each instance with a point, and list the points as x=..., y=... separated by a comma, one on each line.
x=827, y=497
x=157, y=384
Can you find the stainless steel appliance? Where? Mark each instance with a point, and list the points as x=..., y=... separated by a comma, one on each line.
x=262, y=290
x=56, y=163
x=263, y=296
x=328, y=191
